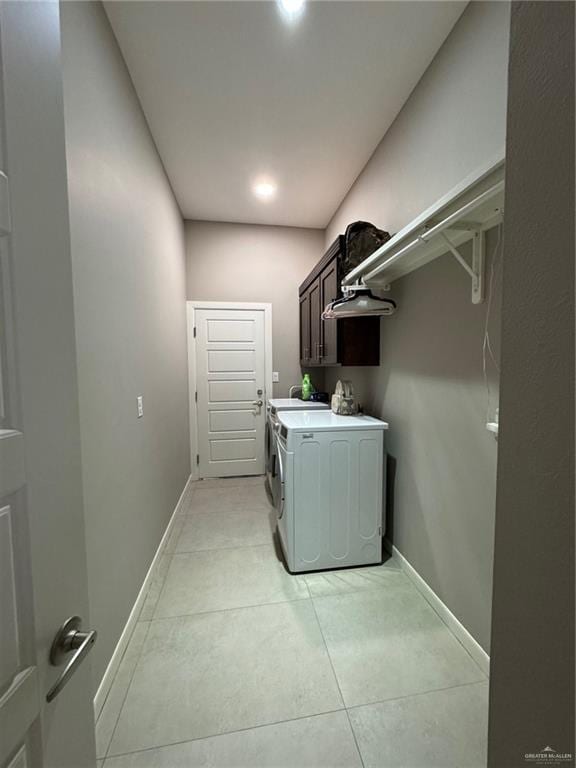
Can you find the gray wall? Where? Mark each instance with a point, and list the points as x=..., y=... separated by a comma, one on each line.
x=532, y=688
x=129, y=285
x=430, y=384
x=452, y=123
x=247, y=262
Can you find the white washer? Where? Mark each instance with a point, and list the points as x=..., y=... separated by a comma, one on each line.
x=273, y=407
x=330, y=489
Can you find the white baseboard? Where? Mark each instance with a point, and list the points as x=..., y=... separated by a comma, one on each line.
x=458, y=630
x=114, y=662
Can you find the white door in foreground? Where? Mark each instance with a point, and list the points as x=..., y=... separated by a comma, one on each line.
x=230, y=383
x=46, y=720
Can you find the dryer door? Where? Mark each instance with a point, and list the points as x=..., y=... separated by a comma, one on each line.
x=279, y=477
x=268, y=438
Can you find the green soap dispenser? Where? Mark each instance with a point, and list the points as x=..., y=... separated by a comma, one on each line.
x=307, y=388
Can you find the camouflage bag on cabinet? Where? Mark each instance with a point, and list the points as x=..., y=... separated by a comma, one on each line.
x=360, y=240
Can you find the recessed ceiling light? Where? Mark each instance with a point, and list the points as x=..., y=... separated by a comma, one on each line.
x=291, y=10
x=264, y=189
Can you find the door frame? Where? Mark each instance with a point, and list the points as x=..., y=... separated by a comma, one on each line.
x=191, y=307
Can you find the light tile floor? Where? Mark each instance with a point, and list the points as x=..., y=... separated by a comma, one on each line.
x=235, y=663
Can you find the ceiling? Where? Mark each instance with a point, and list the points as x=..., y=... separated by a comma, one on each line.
x=234, y=94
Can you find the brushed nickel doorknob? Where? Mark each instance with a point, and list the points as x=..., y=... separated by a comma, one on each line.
x=69, y=638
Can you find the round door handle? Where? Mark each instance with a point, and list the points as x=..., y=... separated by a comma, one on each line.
x=259, y=403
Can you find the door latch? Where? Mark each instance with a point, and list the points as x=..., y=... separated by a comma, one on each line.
x=69, y=638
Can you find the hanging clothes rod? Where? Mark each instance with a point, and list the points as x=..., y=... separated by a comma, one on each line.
x=427, y=238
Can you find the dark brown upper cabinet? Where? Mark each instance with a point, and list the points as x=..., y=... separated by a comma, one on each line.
x=315, y=330
x=305, y=328
x=329, y=289
x=348, y=341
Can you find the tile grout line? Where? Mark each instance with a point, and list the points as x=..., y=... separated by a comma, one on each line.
x=247, y=486
x=235, y=511
x=420, y=693
x=227, y=610
x=149, y=623
x=127, y=689
x=200, y=484
x=109, y=690
x=308, y=591
x=219, y=610
x=360, y=755
x=164, y=553
x=422, y=598
x=139, y=620
x=449, y=628
x=163, y=587
x=227, y=733
x=292, y=719
x=337, y=682
x=454, y=635
x=381, y=701
x=438, y=613
x=351, y=591
x=222, y=549
x=310, y=597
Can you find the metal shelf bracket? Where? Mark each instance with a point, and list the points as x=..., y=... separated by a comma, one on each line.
x=476, y=271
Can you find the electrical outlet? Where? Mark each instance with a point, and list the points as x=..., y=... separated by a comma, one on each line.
x=275, y=377
x=140, y=403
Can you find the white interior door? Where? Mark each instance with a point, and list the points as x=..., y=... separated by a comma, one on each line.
x=231, y=396
x=42, y=548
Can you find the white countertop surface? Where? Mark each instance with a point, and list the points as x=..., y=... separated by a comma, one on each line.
x=317, y=420
x=295, y=404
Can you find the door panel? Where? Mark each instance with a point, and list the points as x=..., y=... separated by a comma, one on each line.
x=20, y=760
x=329, y=328
x=220, y=361
x=305, y=328
x=237, y=421
x=315, y=321
x=238, y=391
x=234, y=449
x=42, y=560
x=10, y=656
x=229, y=330
x=230, y=375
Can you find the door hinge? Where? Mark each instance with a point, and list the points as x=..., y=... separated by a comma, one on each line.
x=197, y=459
x=196, y=396
x=194, y=331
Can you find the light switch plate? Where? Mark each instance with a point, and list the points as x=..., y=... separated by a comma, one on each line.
x=140, y=402
x=275, y=377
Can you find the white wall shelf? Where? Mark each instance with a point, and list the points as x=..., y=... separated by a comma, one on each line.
x=464, y=214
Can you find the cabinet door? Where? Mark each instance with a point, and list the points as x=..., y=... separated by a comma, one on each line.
x=315, y=321
x=305, y=328
x=329, y=328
